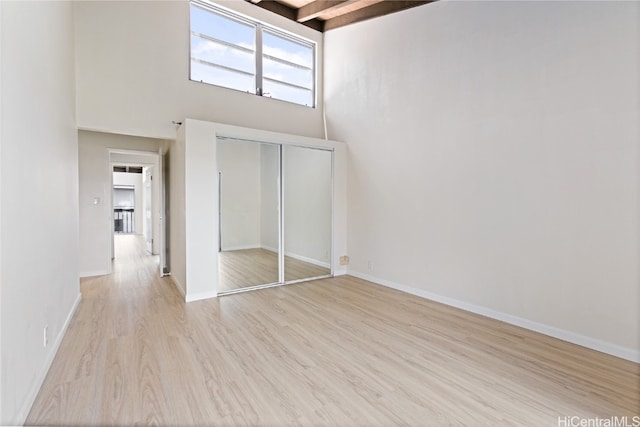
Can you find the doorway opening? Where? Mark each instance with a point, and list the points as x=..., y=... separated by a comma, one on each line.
x=137, y=219
x=127, y=192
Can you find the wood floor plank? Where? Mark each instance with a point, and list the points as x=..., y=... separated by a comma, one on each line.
x=339, y=351
x=251, y=267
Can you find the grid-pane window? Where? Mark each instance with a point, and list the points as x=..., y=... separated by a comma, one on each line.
x=224, y=52
x=287, y=68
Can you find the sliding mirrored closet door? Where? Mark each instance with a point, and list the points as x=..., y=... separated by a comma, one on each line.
x=249, y=199
x=275, y=214
x=307, y=178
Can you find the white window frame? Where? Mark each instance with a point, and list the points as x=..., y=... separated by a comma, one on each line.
x=259, y=78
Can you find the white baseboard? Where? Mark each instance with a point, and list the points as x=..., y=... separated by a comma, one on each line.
x=562, y=334
x=191, y=297
x=178, y=285
x=33, y=393
x=94, y=273
x=308, y=260
x=269, y=248
x=200, y=296
x=299, y=257
x=341, y=271
x=240, y=248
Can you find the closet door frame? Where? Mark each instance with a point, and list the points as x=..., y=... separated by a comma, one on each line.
x=281, y=225
x=283, y=213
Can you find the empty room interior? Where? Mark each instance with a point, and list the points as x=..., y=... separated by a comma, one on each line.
x=314, y=212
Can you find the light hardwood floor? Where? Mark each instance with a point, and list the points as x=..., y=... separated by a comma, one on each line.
x=337, y=351
x=251, y=267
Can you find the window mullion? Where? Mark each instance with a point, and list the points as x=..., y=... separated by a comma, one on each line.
x=259, y=88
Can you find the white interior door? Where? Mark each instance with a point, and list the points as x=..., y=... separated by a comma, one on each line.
x=148, y=207
x=162, y=249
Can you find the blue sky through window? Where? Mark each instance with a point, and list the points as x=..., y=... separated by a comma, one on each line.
x=222, y=28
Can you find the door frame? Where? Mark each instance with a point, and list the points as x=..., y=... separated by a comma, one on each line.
x=155, y=160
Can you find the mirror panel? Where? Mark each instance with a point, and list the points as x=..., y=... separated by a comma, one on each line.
x=307, y=186
x=248, y=174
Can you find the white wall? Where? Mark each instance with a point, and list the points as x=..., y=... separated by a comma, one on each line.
x=177, y=224
x=201, y=210
x=2, y=417
x=494, y=159
x=200, y=203
x=133, y=73
x=146, y=178
x=39, y=196
x=95, y=182
x=133, y=180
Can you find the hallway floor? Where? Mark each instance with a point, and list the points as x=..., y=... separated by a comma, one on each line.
x=339, y=351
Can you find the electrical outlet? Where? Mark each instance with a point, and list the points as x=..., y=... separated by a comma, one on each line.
x=370, y=265
x=45, y=334
x=344, y=260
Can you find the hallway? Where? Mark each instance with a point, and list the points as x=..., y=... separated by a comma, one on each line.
x=109, y=367
x=130, y=252
x=134, y=269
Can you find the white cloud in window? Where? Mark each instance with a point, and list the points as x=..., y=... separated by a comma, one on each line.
x=294, y=57
x=204, y=47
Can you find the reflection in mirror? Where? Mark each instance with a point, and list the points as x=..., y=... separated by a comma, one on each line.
x=307, y=175
x=248, y=174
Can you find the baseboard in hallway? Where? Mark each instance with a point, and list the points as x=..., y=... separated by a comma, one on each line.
x=33, y=394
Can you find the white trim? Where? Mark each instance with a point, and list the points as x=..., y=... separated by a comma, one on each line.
x=178, y=285
x=299, y=257
x=270, y=249
x=309, y=260
x=241, y=248
x=552, y=331
x=200, y=296
x=33, y=393
x=142, y=153
x=342, y=271
x=155, y=161
x=275, y=250
x=251, y=288
x=95, y=273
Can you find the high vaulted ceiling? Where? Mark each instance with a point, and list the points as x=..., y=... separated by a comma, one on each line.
x=324, y=15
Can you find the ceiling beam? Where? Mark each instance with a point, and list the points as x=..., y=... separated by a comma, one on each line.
x=318, y=7
x=375, y=10
x=286, y=11
x=355, y=11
